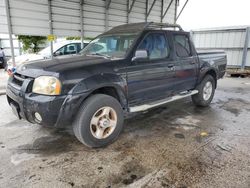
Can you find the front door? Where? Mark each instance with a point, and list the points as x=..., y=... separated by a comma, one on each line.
x=150, y=80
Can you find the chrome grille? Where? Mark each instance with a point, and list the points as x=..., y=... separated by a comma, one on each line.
x=18, y=81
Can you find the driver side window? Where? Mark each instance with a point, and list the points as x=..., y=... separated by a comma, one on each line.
x=156, y=46
x=67, y=49
x=70, y=49
x=60, y=51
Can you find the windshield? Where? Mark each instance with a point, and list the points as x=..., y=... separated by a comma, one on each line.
x=113, y=46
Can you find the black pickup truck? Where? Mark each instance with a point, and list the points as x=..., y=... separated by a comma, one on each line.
x=128, y=69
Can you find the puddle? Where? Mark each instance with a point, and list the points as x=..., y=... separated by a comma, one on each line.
x=235, y=106
x=48, y=145
x=188, y=120
x=186, y=123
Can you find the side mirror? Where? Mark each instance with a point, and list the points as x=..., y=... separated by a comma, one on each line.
x=140, y=55
x=57, y=53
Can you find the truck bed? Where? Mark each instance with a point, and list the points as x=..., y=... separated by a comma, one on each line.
x=215, y=58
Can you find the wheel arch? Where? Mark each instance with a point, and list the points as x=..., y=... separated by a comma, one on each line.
x=113, y=91
x=211, y=72
x=108, y=83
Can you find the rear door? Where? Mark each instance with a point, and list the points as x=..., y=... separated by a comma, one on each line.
x=186, y=65
x=151, y=79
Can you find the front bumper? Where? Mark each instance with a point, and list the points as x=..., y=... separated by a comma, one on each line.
x=57, y=111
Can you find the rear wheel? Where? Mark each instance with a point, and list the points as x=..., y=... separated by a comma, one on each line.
x=99, y=121
x=206, y=92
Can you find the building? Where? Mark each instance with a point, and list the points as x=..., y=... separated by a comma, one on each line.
x=233, y=40
x=85, y=18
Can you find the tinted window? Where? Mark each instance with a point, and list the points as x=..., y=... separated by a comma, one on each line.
x=71, y=49
x=78, y=46
x=182, y=46
x=60, y=51
x=156, y=46
x=67, y=49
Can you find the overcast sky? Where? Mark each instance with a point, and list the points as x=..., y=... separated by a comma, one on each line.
x=214, y=13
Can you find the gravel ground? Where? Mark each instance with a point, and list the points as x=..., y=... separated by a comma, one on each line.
x=177, y=145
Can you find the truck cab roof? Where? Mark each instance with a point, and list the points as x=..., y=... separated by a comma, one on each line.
x=142, y=26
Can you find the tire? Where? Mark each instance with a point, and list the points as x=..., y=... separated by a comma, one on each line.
x=204, y=97
x=96, y=114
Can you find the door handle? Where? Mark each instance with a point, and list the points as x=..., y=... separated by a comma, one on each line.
x=171, y=65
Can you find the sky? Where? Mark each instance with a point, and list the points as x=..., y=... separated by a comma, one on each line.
x=214, y=13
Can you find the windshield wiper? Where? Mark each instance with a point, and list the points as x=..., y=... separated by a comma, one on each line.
x=99, y=54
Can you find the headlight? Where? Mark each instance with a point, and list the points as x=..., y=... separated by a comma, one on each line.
x=47, y=85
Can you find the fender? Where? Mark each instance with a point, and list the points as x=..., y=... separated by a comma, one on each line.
x=92, y=83
x=208, y=68
x=87, y=86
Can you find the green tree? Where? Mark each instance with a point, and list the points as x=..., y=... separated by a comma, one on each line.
x=79, y=38
x=73, y=38
x=31, y=42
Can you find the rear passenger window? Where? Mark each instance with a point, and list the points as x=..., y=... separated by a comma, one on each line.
x=78, y=47
x=156, y=46
x=182, y=46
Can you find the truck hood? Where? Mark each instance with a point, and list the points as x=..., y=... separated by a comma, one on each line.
x=59, y=64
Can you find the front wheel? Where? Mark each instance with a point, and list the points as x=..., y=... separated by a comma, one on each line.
x=206, y=92
x=99, y=121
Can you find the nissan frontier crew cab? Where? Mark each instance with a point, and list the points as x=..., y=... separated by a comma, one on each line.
x=128, y=69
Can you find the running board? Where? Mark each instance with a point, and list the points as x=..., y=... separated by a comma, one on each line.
x=161, y=102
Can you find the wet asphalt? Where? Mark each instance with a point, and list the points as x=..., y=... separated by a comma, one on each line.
x=177, y=145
